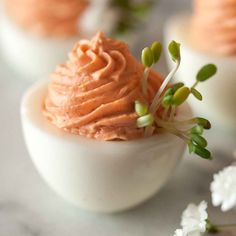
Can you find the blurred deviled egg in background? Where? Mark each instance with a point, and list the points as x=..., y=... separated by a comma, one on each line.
x=36, y=35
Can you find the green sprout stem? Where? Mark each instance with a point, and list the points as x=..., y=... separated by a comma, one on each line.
x=175, y=132
x=195, y=84
x=213, y=228
x=149, y=130
x=219, y=227
x=156, y=101
x=179, y=122
x=144, y=81
x=185, y=135
x=170, y=126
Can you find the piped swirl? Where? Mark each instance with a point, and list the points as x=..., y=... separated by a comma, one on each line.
x=93, y=93
x=214, y=26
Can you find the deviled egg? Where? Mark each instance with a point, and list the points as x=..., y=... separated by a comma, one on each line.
x=36, y=35
x=208, y=35
x=93, y=134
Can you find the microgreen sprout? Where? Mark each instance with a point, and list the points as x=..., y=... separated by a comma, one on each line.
x=140, y=109
x=156, y=51
x=150, y=56
x=169, y=97
x=145, y=118
x=174, y=51
x=196, y=94
x=205, y=73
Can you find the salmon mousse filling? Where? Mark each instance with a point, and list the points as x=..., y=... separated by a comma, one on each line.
x=47, y=18
x=93, y=94
x=213, y=26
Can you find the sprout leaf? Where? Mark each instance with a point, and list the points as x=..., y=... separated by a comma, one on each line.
x=206, y=72
x=156, y=51
x=174, y=50
x=147, y=57
x=196, y=94
x=180, y=96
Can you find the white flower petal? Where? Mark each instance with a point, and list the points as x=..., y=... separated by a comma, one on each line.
x=223, y=188
x=216, y=199
x=194, y=218
x=180, y=232
x=227, y=205
x=195, y=233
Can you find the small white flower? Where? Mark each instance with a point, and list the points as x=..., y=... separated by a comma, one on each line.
x=223, y=188
x=180, y=232
x=194, y=219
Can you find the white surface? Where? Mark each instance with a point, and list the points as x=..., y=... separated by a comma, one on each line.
x=97, y=175
x=29, y=208
x=29, y=55
x=219, y=93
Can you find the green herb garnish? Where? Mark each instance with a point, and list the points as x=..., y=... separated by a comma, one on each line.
x=150, y=56
x=169, y=97
x=131, y=14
